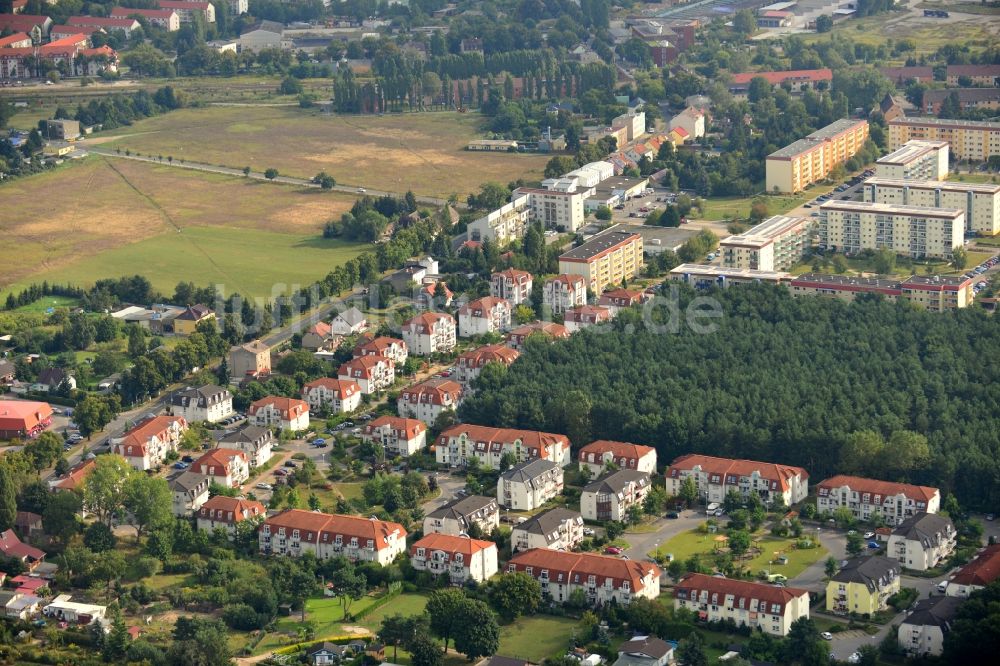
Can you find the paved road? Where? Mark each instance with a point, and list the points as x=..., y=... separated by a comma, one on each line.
x=641, y=544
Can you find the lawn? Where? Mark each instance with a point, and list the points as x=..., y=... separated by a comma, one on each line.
x=721, y=208
x=423, y=152
x=534, y=638
x=973, y=177
x=692, y=542
x=46, y=303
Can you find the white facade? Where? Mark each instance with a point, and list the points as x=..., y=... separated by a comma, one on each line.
x=716, y=477
x=295, y=531
x=610, y=497
x=208, y=403
x=603, y=579
x=430, y=333
x=529, y=485
x=460, y=558
x=557, y=529
x=147, y=445
x=756, y=605
x=912, y=231
x=398, y=436
x=922, y=542
x=255, y=441
x=512, y=285
x=555, y=210
x=596, y=456
x=340, y=396
x=979, y=201
x=458, y=516
x=371, y=373
x=505, y=224
x=483, y=316
x=189, y=491
x=691, y=120
x=866, y=498
x=460, y=443
x=427, y=400
x=918, y=160
x=285, y=413
x=564, y=292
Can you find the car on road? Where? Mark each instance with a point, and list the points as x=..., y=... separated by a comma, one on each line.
x=869, y=535
x=613, y=550
x=873, y=544
x=187, y=459
x=827, y=636
x=942, y=587
x=673, y=515
x=280, y=472
x=181, y=465
x=290, y=463
x=855, y=658
x=319, y=441
x=361, y=190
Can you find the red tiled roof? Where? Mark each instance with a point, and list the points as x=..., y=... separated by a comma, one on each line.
x=342, y=388
x=321, y=328
x=549, y=328
x=622, y=297
x=584, y=564
x=513, y=274
x=451, y=544
x=74, y=478
x=423, y=323
x=480, y=356
x=494, y=438
x=617, y=449
x=692, y=584
x=13, y=39
x=182, y=4
x=364, y=364
x=482, y=306
x=102, y=22
x=230, y=509
x=431, y=289
x=100, y=50
x=11, y=546
x=433, y=390
x=22, y=22
x=312, y=525
x=566, y=279
x=588, y=314
x=982, y=570
x=378, y=345
x=774, y=78
x=876, y=487
x=409, y=428
x=138, y=437
x=124, y=12
x=729, y=466
x=220, y=459
x=290, y=408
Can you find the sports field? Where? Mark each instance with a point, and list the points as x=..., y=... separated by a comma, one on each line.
x=423, y=152
x=105, y=218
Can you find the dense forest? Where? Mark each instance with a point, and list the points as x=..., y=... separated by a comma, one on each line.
x=803, y=381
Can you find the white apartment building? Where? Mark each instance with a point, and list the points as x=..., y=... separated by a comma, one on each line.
x=557, y=529
x=227, y=467
x=426, y=400
x=603, y=579
x=512, y=285
x=295, y=531
x=146, y=446
x=209, y=403
x=756, y=605
x=585, y=316
x=279, y=412
x=562, y=211
x=634, y=121
x=564, y=292
x=716, y=477
x=592, y=174
x=226, y=513
x=597, y=455
x=398, y=436
x=256, y=442
x=773, y=245
x=459, y=443
x=458, y=516
x=915, y=160
x=469, y=364
x=484, y=315
x=430, y=333
x=611, y=496
x=392, y=348
x=189, y=491
x=691, y=120
x=866, y=498
x=339, y=396
x=852, y=226
x=922, y=541
x=528, y=485
x=372, y=373
x=979, y=201
x=504, y=225
x=460, y=558
x=922, y=632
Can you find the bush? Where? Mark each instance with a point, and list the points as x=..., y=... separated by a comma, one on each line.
x=242, y=617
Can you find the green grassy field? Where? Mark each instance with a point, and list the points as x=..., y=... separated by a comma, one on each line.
x=692, y=542
x=927, y=35
x=534, y=638
x=721, y=208
x=43, y=304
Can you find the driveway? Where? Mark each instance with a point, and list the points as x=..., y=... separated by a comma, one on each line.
x=640, y=544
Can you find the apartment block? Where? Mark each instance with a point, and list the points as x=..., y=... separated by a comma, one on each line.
x=280, y=412
x=460, y=443
x=458, y=516
x=256, y=442
x=603, y=579
x=563, y=292
x=922, y=632
x=488, y=314
x=619, y=299
x=605, y=260
x=922, y=541
x=559, y=210
x=339, y=396
x=460, y=558
x=296, y=531
x=370, y=373
x=978, y=75
x=775, y=244
x=430, y=333
x=915, y=160
x=585, y=316
x=867, y=498
x=392, y=348
x=207, y=403
x=967, y=139
x=398, y=436
x=716, y=477
x=426, y=400
x=979, y=201
x=528, y=485
x=504, y=225
x=146, y=446
x=597, y=455
x=469, y=364
x=512, y=285
x=810, y=160
x=703, y=276
x=557, y=529
x=770, y=609
x=912, y=231
x=611, y=496
x=863, y=585
x=936, y=293
x=226, y=513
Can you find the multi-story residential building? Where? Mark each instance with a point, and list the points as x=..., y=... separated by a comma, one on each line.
x=979, y=201
x=564, y=292
x=597, y=455
x=603, y=579
x=188, y=9
x=339, y=396
x=592, y=173
x=911, y=231
x=978, y=75
x=190, y=492
x=611, y=496
x=296, y=531
x=225, y=513
x=756, y=605
x=427, y=399
x=557, y=529
x=773, y=245
x=915, y=160
x=810, y=160
x=518, y=336
x=703, y=276
x=512, y=285
x=460, y=558
x=933, y=292
x=863, y=585
x=208, y=403
x=605, y=260
x=371, y=373
x=430, y=333
x=484, y=315
x=555, y=209
x=922, y=541
x=716, y=477
x=967, y=139
x=977, y=574
x=530, y=484
x=398, y=436
x=619, y=299
x=922, y=632
x=126, y=25
x=867, y=498
x=938, y=293
x=469, y=364
x=459, y=443
x=504, y=225
x=164, y=18
x=798, y=79
x=252, y=359
x=585, y=316
x=146, y=446
x=393, y=348
x=691, y=120
x=966, y=98
x=458, y=516
x=227, y=467
x=279, y=412
x=256, y=442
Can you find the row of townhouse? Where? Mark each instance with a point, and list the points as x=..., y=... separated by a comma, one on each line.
x=22, y=60
x=602, y=579
x=295, y=532
x=868, y=498
x=769, y=608
x=460, y=443
x=715, y=477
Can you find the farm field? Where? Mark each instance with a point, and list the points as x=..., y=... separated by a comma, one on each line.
x=168, y=224
x=423, y=152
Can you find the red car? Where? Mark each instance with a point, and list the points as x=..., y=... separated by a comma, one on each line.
x=613, y=550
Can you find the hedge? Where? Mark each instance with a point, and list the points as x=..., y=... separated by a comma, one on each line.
x=340, y=640
x=395, y=589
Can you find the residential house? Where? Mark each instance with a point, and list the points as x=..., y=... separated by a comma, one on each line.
x=262, y=35
x=12, y=547
x=327, y=654
x=34, y=25
x=252, y=359
x=229, y=468
x=518, y=336
x=20, y=606
x=603, y=579
x=585, y=316
x=484, y=315
x=799, y=79
x=863, y=585
x=339, y=396
x=28, y=524
x=922, y=541
x=977, y=574
x=8, y=372
x=187, y=322
x=867, y=498
x=190, y=492
x=285, y=413
x=459, y=557
x=295, y=531
x=349, y=322
x=977, y=75
x=922, y=632
x=398, y=436
x=430, y=333
x=606, y=259
x=62, y=609
x=617, y=299
x=691, y=120
x=426, y=400
x=208, y=403
x=126, y=25
x=226, y=513
x=459, y=443
x=564, y=292
x=163, y=18
x=188, y=9
x=611, y=496
x=147, y=445
x=769, y=608
x=320, y=337
x=371, y=373
x=529, y=485
x=73, y=480
x=255, y=441
x=393, y=348
x=458, y=516
x=51, y=379
x=512, y=285
x=645, y=651
x=469, y=364
x=716, y=477
x=557, y=529
x=597, y=455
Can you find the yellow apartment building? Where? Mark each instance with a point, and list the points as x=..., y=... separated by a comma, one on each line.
x=912, y=231
x=810, y=160
x=967, y=139
x=605, y=260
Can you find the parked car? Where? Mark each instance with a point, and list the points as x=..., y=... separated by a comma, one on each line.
x=187, y=459
x=319, y=441
x=869, y=535
x=264, y=486
x=873, y=544
x=827, y=636
x=673, y=515
x=613, y=550
x=290, y=463
x=588, y=531
x=942, y=587
x=181, y=465
x=280, y=472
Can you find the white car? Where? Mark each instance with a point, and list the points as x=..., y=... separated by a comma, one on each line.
x=588, y=531
x=869, y=535
x=827, y=636
x=264, y=486
x=855, y=658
